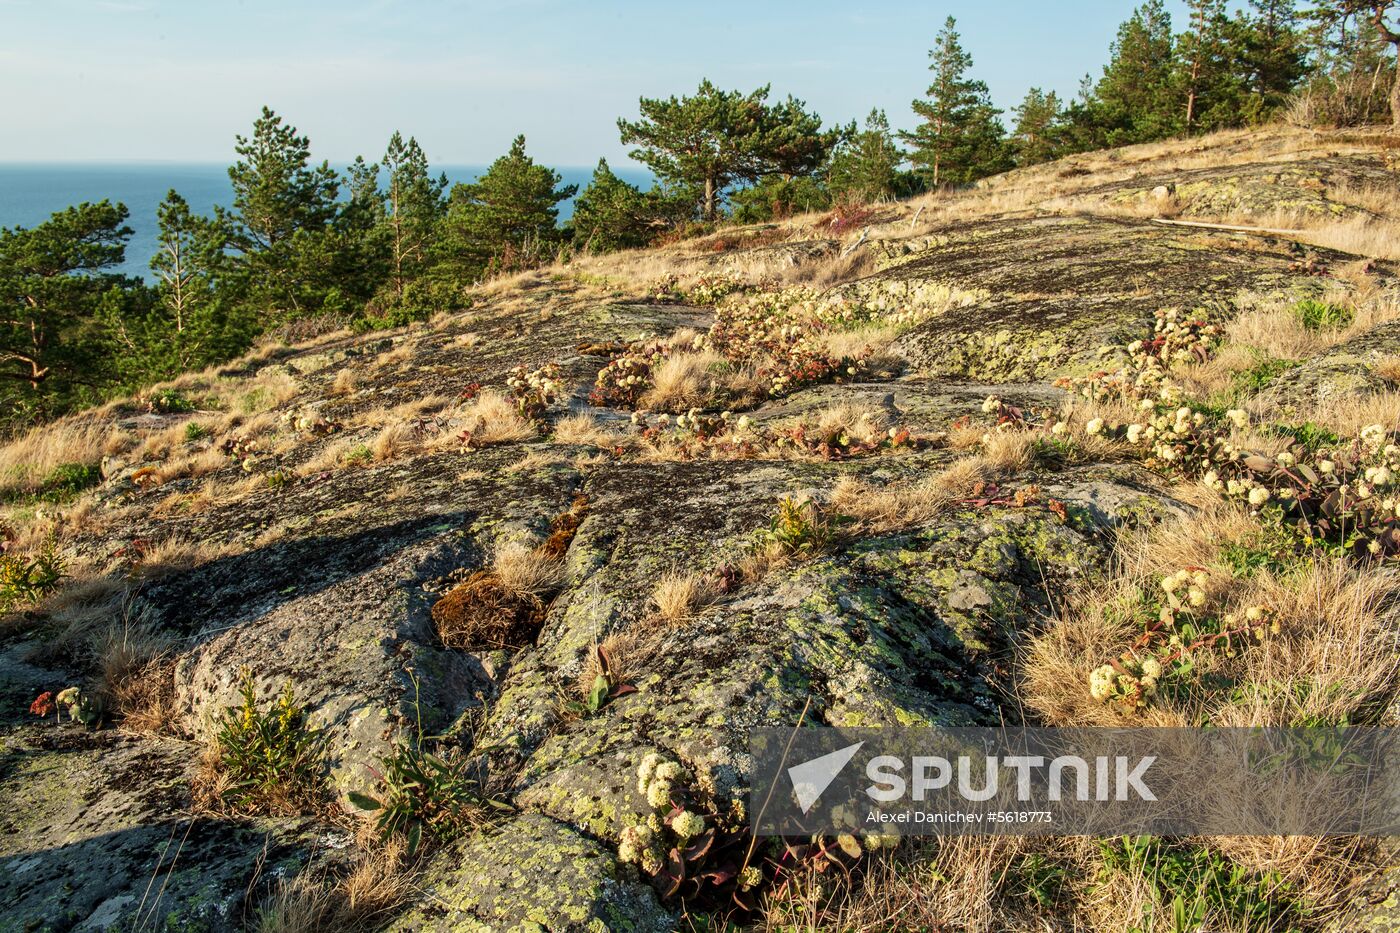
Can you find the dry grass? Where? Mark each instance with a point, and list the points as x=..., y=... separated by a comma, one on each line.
x=862, y=423
x=904, y=505
x=361, y=899
x=524, y=571
x=700, y=379
x=1010, y=450
x=178, y=553
x=585, y=429
x=136, y=675
x=26, y=461
x=537, y=460
x=680, y=596
x=346, y=382
x=393, y=441
x=1388, y=369
x=493, y=419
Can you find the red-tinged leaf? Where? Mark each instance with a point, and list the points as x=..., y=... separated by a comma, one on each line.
x=621, y=690
x=700, y=846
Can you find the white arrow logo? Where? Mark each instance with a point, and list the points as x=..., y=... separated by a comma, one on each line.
x=811, y=778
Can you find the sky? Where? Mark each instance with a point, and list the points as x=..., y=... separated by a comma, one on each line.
x=110, y=80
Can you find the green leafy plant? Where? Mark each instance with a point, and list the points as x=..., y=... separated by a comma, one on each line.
x=1038, y=878
x=798, y=530
x=68, y=479
x=168, y=401
x=194, y=431
x=1321, y=315
x=1203, y=885
x=24, y=580
x=1262, y=374
x=269, y=760
x=420, y=793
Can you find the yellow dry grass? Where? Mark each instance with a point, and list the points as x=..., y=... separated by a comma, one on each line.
x=679, y=596
x=522, y=570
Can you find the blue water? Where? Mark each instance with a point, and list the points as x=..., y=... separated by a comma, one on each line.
x=29, y=193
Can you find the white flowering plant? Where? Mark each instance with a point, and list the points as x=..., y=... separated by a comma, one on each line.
x=1180, y=619
x=534, y=390
x=688, y=845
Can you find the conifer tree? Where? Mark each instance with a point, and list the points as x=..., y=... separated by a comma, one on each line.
x=508, y=216
x=1037, y=136
x=1381, y=19
x=715, y=138
x=56, y=283
x=611, y=214
x=1272, y=53
x=413, y=205
x=1206, y=77
x=283, y=206
x=1135, y=100
x=865, y=167
x=961, y=138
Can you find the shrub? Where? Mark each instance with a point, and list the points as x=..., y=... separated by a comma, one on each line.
x=1322, y=315
x=267, y=761
x=25, y=580
x=442, y=796
x=168, y=401
x=69, y=479
x=799, y=530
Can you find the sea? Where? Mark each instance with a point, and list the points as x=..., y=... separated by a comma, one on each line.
x=30, y=192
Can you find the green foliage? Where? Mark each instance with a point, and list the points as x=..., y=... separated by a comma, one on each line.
x=1321, y=315
x=1203, y=886
x=68, y=479
x=56, y=284
x=776, y=198
x=506, y=220
x=413, y=205
x=707, y=142
x=24, y=580
x=425, y=794
x=168, y=401
x=1039, y=133
x=610, y=214
x=1136, y=99
x=1038, y=878
x=194, y=431
x=865, y=165
x=1312, y=437
x=798, y=530
x=270, y=760
x=1262, y=374
x=961, y=138
x=1273, y=549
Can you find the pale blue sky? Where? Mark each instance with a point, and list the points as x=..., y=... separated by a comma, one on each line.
x=161, y=79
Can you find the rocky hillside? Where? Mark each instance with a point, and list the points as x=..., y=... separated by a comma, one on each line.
x=888, y=466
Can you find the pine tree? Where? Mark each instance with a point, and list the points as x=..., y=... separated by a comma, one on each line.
x=961, y=138
x=185, y=326
x=865, y=168
x=1204, y=63
x=56, y=282
x=1373, y=18
x=283, y=207
x=184, y=323
x=1272, y=53
x=715, y=138
x=1037, y=136
x=1135, y=100
x=610, y=214
x=413, y=205
x=507, y=218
